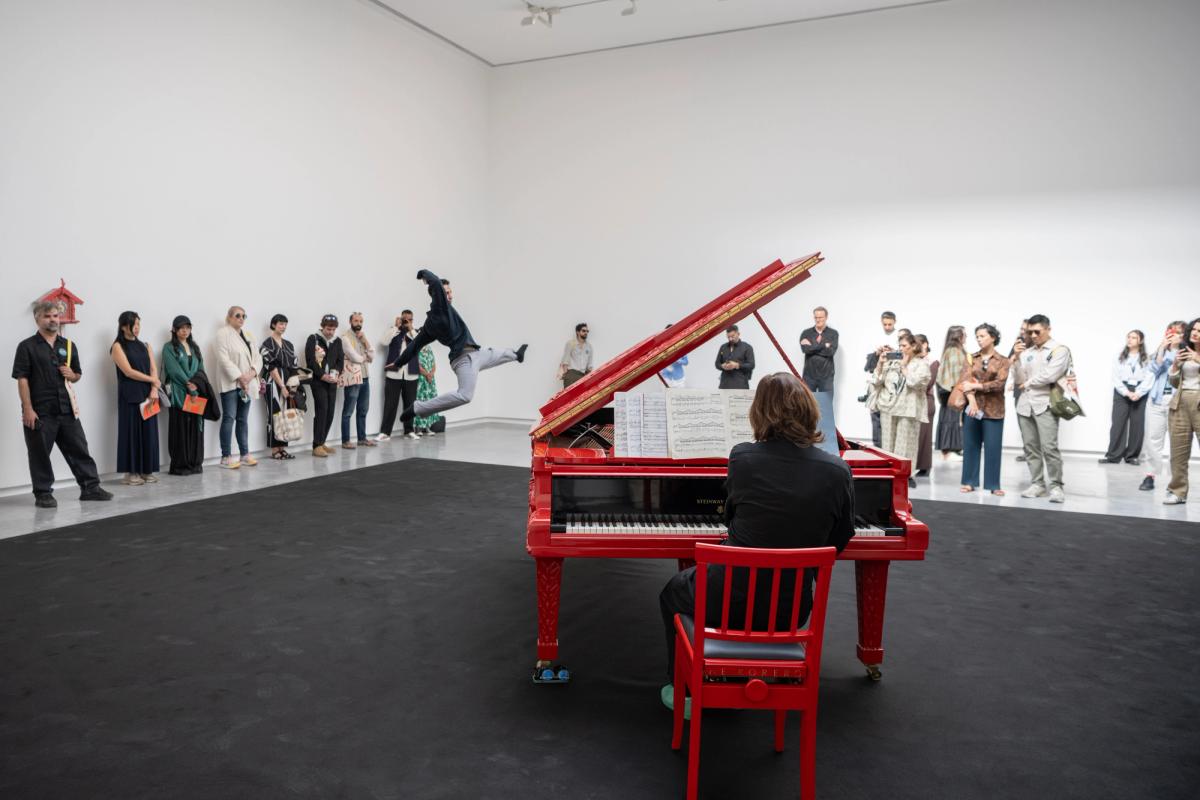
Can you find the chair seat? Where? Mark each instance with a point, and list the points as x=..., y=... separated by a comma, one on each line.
x=720, y=648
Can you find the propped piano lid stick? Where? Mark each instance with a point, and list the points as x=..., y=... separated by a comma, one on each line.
x=775, y=342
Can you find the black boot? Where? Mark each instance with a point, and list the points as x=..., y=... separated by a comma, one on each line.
x=521, y=354
x=408, y=413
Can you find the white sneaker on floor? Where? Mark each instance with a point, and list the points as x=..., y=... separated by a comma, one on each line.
x=1056, y=495
x=383, y=437
x=411, y=435
x=229, y=462
x=1034, y=491
x=1173, y=500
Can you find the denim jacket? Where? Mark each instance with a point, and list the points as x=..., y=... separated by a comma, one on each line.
x=1160, y=392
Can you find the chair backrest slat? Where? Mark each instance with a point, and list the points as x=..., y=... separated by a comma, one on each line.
x=746, y=626
x=797, y=599
x=725, y=597
x=775, y=577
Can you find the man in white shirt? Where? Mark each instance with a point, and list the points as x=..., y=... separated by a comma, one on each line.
x=577, y=357
x=1036, y=368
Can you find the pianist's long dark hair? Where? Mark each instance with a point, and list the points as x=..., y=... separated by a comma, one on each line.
x=784, y=408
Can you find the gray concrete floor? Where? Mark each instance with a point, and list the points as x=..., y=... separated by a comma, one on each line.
x=1091, y=487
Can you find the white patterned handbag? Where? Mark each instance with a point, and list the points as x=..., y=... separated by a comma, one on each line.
x=288, y=422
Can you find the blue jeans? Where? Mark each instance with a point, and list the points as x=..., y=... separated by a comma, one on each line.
x=988, y=434
x=356, y=397
x=232, y=408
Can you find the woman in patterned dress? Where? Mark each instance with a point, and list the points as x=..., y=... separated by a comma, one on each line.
x=426, y=390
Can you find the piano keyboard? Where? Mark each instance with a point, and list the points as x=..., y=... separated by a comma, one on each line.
x=671, y=525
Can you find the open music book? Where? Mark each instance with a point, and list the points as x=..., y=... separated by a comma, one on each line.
x=682, y=423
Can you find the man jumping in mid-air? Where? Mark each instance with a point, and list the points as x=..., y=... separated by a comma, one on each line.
x=467, y=358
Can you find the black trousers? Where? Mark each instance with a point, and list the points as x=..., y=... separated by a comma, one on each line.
x=397, y=395
x=67, y=432
x=820, y=384
x=324, y=400
x=876, y=429
x=1128, y=427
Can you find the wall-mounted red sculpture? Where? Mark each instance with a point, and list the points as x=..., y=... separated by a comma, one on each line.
x=66, y=300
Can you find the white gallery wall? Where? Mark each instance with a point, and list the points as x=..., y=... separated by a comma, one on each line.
x=959, y=162
x=176, y=156
x=976, y=160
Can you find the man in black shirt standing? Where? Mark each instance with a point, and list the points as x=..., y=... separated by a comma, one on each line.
x=819, y=345
x=735, y=360
x=45, y=367
x=467, y=358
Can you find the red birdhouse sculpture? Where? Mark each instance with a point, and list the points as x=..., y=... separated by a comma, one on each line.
x=66, y=300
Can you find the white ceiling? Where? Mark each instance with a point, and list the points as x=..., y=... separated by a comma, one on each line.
x=491, y=30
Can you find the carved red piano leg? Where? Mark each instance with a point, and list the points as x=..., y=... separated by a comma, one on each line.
x=870, y=578
x=549, y=585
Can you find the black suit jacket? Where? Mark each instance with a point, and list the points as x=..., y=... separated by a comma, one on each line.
x=780, y=495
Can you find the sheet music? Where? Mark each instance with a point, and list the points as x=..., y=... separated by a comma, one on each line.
x=633, y=427
x=654, y=425
x=620, y=425
x=737, y=416
x=696, y=423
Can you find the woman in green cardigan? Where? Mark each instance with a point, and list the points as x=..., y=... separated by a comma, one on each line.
x=181, y=360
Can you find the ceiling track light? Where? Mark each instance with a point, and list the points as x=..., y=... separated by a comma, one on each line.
x=545, y=14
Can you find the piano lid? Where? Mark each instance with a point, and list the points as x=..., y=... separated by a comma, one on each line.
x=653, y=354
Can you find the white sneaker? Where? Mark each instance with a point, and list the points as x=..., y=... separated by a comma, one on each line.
x=1034, y=491
x=411, y=435
x=1173, y=500
x=431, y=433
x=1057, y=496
x=229, y=462
x=383, y=437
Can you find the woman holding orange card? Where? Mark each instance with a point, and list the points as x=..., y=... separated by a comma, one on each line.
x=181, y=360
x=137, y=401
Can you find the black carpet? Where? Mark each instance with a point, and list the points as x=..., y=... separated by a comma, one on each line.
x=370, y=634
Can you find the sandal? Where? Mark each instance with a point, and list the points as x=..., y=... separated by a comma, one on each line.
x=286, y=455
x=278, y=455
x=998, y=492
x=966, y=489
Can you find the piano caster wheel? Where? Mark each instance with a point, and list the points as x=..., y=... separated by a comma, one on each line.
x=544, y=673
x=873, y=672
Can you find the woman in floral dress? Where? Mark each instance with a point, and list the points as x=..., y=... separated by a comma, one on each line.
x=426, y=390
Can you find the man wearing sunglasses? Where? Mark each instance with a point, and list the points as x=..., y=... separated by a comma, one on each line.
x=1039, y=363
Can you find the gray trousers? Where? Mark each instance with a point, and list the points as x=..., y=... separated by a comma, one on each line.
x=1039, y=434
x=466, y=368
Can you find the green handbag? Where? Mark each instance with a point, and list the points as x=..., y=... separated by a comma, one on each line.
x=1064, y=402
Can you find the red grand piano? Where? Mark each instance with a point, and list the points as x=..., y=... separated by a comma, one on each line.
x=584, y=502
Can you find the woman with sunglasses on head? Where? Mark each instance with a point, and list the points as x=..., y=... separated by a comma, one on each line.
x=238, y=366
x=1184, y=415
x=902, y=401
x=181, y=361
x=137, y=380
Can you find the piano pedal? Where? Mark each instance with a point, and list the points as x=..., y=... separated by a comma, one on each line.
x=550, y=675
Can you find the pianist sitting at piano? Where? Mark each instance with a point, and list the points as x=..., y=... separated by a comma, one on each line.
x=781, y=492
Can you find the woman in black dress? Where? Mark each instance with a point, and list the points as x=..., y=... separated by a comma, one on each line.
x=279, y=364
x=181, y=360
x=137, y=377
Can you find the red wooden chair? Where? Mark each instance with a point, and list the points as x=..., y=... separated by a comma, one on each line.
x=777, y=668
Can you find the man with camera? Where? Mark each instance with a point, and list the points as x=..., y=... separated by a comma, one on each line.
x=46, y=368
x=735, y=360
x=890, y=345
x=399, y=383
x=1039, y=363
